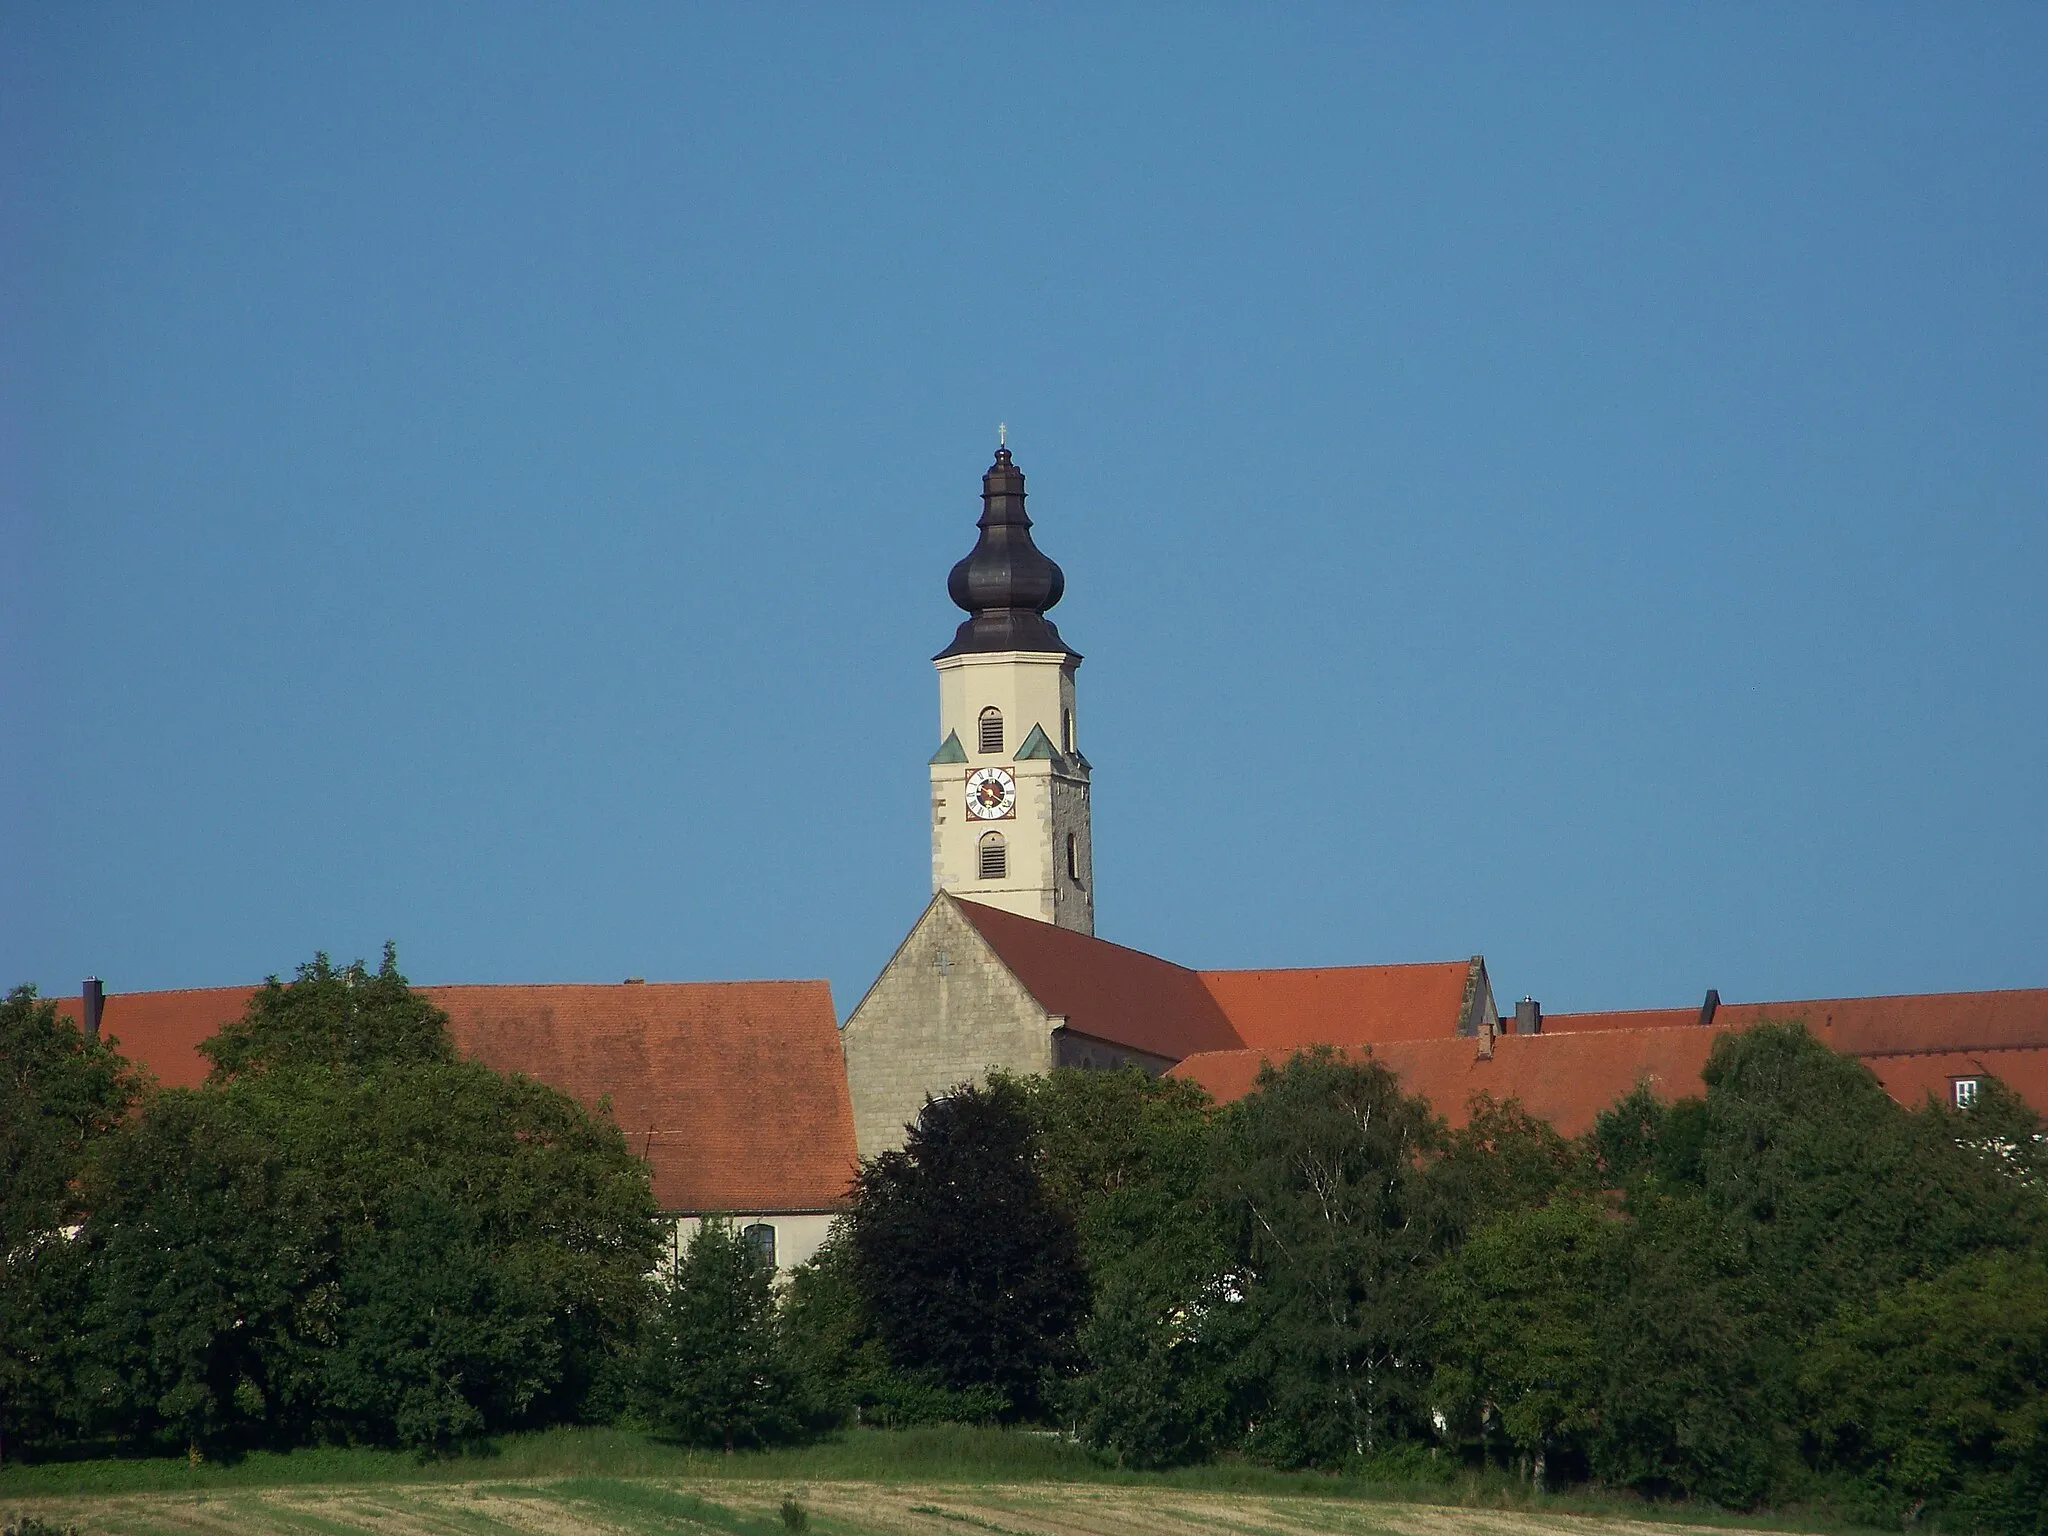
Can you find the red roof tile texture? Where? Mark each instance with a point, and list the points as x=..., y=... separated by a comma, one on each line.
x=1924, y=1021
x=1121, y=995
x=1138, y=1000
x=1913, y=1079
x=1916, y=1046
x=162, y=1030
x=1342, y=1005
x=1950, y=1021
x=734, y=1093
x=1566, y=1080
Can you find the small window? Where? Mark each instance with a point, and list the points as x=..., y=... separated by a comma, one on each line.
x=1066, y=730
x=995, y=857
x=1073, y=858
x=1964, y=1090
x=760, y=1241
x=992, y=730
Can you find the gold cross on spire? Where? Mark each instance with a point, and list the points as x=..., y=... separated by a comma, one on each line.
x=1002, y=434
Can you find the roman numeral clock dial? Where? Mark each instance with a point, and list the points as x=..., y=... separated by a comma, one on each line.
x=991, y=794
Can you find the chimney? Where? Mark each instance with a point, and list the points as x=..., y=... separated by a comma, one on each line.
x=1710, y=1007
x=1528, y=1017
x=92, y=1003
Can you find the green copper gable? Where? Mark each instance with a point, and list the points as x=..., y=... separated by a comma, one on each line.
x=1038, y=745
x=950, y=750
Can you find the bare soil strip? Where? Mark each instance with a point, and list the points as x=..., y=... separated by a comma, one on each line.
x=567, y=1508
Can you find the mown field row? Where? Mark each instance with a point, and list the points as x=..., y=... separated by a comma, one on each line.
x=615, y=1506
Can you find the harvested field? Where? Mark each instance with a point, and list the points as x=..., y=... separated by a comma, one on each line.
x=606, y=1506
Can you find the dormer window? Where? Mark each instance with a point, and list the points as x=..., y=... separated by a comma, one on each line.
x=991, y=731
x=995, y=857
x=1963, y=1090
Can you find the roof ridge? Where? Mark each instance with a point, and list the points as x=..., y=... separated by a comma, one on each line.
x=1803, y=1002
x=1461, y=963
x=982, y=906
x=585, y=986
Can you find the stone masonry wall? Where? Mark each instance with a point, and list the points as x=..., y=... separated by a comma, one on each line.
x=943, y=1011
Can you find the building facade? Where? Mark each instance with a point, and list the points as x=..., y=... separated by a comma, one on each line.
x=1002, y=969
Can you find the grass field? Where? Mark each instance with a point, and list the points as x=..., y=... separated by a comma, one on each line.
x=946, y=1482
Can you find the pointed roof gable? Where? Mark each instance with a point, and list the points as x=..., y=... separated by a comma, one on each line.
x=733, y=1093
x=1130, y=998
x=1037, y=746
x=1104, y=990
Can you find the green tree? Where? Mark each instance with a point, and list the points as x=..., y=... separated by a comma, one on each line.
x=1793, y=1187
x=210, y=1260
x=348, y=1020
x=1519, y=1311
x=1160, y=1344
x=1935, y=1396
x=349, y=1232
x=1836, y=1190
x=494, y=1249
x=1687, y=1406
x=61, y=1094
x=1334, y=1225
x=970, y=1271
x=2002, y=1129
x=715, y=1371
x=1123, y=1153
x=1131, y=1158
x=1501, y=1159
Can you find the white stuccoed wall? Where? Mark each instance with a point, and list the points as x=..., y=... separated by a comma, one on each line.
x=798, y=1234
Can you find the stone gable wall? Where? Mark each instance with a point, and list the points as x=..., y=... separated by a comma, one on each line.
x=925, y=1027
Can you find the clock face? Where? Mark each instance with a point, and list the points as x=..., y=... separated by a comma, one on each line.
x=991, y=794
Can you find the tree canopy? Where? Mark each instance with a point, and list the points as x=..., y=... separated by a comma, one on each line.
x=970, y=1270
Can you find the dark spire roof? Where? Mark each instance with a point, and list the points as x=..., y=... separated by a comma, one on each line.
x=1005, y=583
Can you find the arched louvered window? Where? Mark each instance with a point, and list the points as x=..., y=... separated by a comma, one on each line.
x=760, y=1241
x=995, y=857
x=991, y=730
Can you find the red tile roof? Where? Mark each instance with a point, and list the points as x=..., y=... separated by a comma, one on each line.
x=733, y=1092
x=162, y=1030
x=1921, y=1022
x=1627, y=1018
x=1342, y=1005
x=1570, y=1072
x=1138, y=1000
x=1911, y=1079
x=1121, y=995
x=1566, y=1080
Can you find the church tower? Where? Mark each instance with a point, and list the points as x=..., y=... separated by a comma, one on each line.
x=1009, y=783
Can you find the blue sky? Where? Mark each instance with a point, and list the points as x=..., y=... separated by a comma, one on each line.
x=1565, y=483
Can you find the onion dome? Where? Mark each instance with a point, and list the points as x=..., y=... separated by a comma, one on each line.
x=1006, y=583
